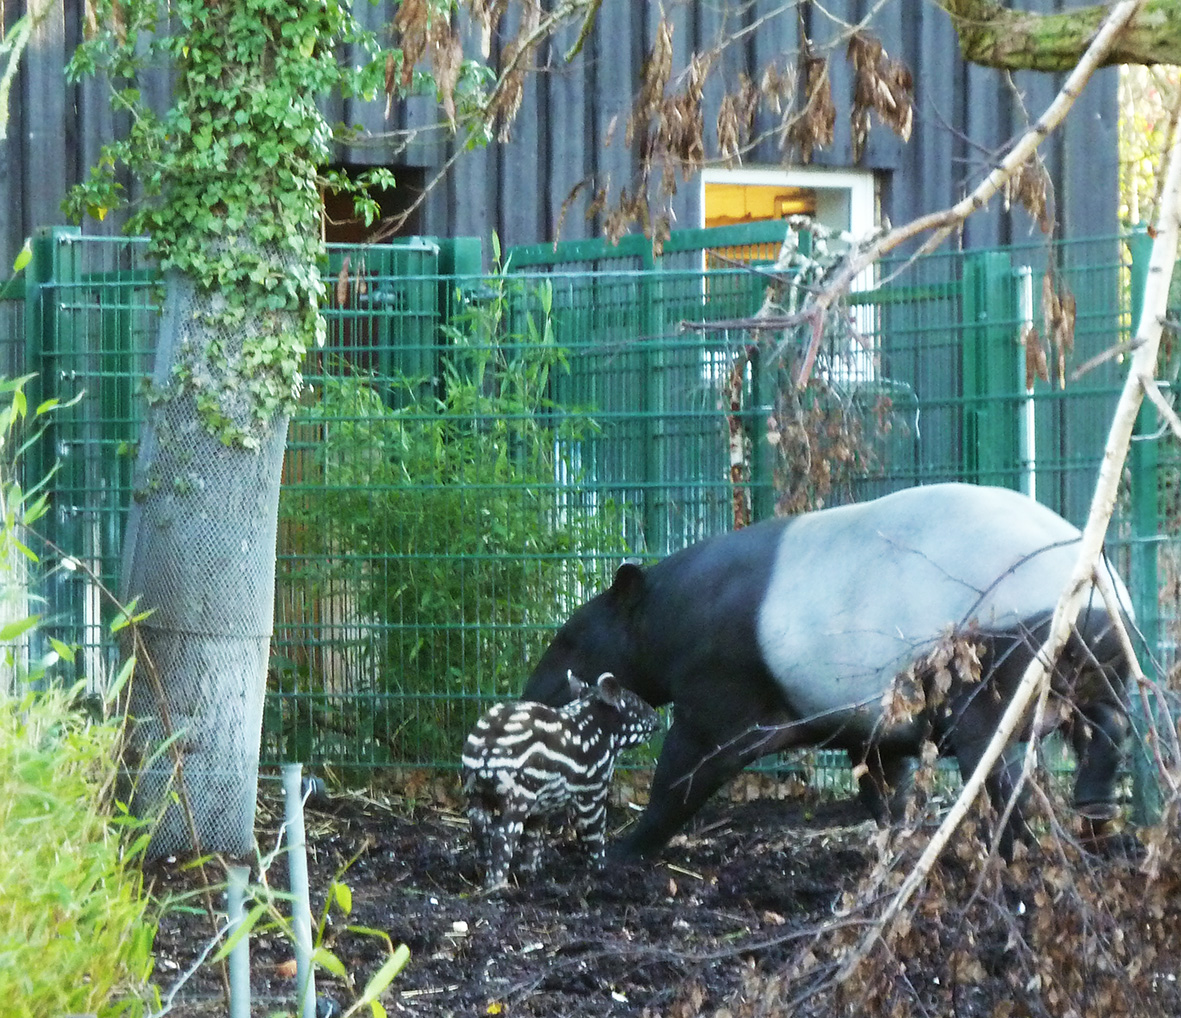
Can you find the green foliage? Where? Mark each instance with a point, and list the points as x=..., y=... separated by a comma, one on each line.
x=230, y=174
x=1147, y=97
x=268, y=914
x=74, y=933
x=447, y=526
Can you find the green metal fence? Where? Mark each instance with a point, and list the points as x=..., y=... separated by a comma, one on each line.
x=475, y=453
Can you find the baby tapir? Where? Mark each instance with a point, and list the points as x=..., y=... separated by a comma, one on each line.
x=525, y=761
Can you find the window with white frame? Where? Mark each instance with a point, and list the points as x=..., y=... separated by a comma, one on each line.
x=844, y=201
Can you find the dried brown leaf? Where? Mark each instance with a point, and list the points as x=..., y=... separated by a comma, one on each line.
x=342, y=284
x=1035, y=357
x=1030, y=186
x=513, y=69
x=446, y=61
x=813, y=126
x=881, y=85
x=411, y=24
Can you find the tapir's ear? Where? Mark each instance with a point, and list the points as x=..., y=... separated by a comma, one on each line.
x=628, y=584
x=577, y=686
x=610, y=691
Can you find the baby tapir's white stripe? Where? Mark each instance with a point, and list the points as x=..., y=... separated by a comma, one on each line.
x=526, y=761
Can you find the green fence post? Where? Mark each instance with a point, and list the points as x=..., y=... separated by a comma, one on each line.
x=50, y=352
x=1143, y=462
x=990, y=370
x=656, y=496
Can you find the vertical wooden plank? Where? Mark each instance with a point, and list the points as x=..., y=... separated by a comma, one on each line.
x=684, y=205
x=776, y=43
x=616, y=51
x=521, y=163
x=987, y=122
x=12, y=162
x=566, y=141
x=926, y=176
x=43, y=102
x=883, y=149
x=828, y=39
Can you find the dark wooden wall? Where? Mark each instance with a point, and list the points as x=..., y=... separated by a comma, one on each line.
x=963, y=116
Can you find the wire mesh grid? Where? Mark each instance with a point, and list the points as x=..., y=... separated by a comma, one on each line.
x=474, y=454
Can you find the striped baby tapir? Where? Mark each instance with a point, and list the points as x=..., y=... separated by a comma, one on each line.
x=525, y=762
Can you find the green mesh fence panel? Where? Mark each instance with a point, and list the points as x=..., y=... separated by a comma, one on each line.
x=475, y=454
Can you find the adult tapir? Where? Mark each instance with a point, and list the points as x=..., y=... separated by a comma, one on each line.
x=788, y=633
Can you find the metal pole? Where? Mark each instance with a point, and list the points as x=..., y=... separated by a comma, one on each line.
x=1027, y=422
x=238, y=877
x=301, y=908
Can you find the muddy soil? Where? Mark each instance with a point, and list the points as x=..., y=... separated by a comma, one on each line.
x=707, y=930
x=675, y=937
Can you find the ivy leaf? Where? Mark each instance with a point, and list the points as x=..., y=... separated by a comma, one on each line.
x=24, y=257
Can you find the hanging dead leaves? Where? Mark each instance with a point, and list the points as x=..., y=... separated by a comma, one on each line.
x=1030, y=187
x=1059, y=311
x=926, y=684
x=814, y=127
x=881, y=85
x=791, y=106
x=423, y=32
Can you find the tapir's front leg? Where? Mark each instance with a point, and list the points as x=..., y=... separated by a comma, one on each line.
x=692, y=766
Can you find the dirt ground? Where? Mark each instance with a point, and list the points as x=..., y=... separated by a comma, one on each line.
x=675, y=937
x=707, y=930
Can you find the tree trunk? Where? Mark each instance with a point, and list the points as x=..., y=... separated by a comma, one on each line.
x=200, y=555
x=994, y=36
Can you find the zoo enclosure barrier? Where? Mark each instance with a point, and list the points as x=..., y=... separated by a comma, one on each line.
x=476, y=452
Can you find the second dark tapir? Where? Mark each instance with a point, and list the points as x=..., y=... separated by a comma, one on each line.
x=788, y=633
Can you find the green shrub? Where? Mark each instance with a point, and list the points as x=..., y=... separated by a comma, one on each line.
x=73, y=933
x=442, y=525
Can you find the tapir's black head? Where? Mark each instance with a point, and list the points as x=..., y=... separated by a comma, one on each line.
x=599, y=637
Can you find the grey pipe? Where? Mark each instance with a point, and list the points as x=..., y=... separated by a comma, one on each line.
x=301, y=906
x=237, y=879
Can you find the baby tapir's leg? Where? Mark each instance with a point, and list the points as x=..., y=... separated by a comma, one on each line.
x=532, y=844
x=590, y=821
x=502, y=843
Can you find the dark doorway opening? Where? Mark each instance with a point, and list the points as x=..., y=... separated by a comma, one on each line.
x=343, y=226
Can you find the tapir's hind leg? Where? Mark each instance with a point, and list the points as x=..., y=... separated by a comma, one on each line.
x=885, y=783
x=1001, y=784
x=692, y=766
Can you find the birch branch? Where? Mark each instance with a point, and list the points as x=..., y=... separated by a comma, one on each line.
x=1157, y=398
x=1141, y=372
x=945, y=222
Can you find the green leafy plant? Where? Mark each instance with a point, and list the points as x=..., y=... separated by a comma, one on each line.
x=75, y=933
x=75, y=927
x=443, y=508
x=267, y=913
x=229, y=176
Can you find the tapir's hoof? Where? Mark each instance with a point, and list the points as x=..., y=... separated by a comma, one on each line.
x=1102, y=838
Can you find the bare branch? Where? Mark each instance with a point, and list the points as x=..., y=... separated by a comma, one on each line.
x=945, y=222
x=1148, y=335
x=1157, y=398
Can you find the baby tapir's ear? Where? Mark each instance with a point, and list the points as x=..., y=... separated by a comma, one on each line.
x=610, y=691
x=578, y=688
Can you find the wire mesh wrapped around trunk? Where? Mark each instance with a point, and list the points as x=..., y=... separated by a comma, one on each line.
x=200, y=554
